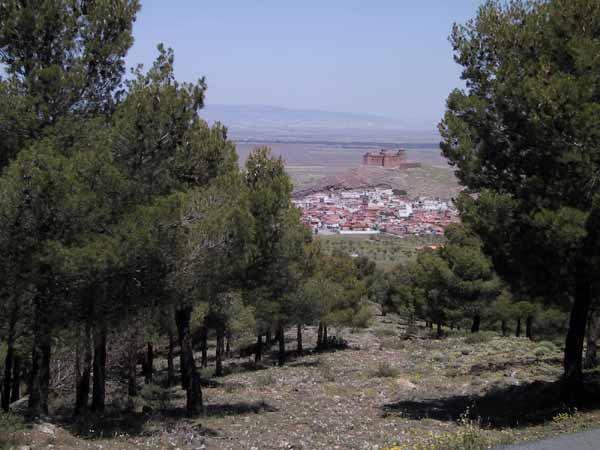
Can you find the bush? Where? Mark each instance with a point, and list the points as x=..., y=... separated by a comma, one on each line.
x=547, y=346
x=156, y=395
x=266, y=379
x=10, y=426
x=384, y=332
x=440, y=357
x=467, y=437
x=393, y=344
x=480, y=338
x=384, y=370
x=362, y=317
x=327, y=372
x=335, y=343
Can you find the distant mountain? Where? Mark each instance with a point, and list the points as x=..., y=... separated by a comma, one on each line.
x=246, y=122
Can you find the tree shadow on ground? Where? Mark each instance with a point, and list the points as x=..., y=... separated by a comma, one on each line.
x=224, y=409
x=303, y=363
x=244, y=367
x=108, y=424
x=237, y=409
x=477, y=369
x=511, y=406
x=116, y=422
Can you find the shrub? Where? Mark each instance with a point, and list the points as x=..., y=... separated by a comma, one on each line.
x=467, y=437
x=440, y=357
x=384, y=332
x=550, y=347
x=327, y=372
x=156, y=395
x=362, y=318
x=10, y=426
x=393, y=344
x=384, y=370
x=266, y=379
x=480, y=338
x=335, y=343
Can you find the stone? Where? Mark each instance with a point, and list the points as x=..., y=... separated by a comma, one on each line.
x=46, y=428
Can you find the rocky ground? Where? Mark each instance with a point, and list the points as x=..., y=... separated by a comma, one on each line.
x=383, y=390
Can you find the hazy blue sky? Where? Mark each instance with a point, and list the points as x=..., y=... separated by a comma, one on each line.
x=387, y=57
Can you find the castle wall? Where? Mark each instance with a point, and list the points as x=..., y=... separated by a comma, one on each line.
x=384, y=159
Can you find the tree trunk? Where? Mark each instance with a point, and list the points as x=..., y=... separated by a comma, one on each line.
x=574, y=342
x=228, y=345
x=10, y=360
x=193, y=394
x=149, y=364
x=7, y=382
x=182, y=321
x=439, y=333
x=320, y=336
x=277, y=332
x=15, y=393
x=39, y=383
x=268, y=338
x=219, y=352
x=189, y=373
x=99, y=382
x=476, y=323
x=132, y=359
x=281, y=340
x=299, y=339
x=170, y=366
x=325, y=339
x=503, y=328
x=258, y=354
x=593, y=330
x=518, y=332
x=8, y=371
x=204, y=346
x=529, y=327
x=84, y=362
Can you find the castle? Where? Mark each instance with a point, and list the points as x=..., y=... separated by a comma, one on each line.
x=388, y=159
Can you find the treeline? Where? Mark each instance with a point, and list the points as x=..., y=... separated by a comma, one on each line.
x=455, y=286
x=123, y=215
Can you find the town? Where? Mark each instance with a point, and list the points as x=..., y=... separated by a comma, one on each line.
x=373, y=211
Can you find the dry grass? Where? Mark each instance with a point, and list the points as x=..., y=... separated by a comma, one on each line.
x=380, y=392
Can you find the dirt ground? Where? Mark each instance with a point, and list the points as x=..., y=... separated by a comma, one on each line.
x=381, y=391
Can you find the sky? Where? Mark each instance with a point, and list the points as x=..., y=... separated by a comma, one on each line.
x=385, y=57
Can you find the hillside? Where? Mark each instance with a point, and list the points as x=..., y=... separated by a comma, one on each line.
x=391, y=386
x=427, y=181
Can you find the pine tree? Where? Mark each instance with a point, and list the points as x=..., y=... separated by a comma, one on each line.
x=523, y=137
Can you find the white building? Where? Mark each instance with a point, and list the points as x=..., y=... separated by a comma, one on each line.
x=404, y=210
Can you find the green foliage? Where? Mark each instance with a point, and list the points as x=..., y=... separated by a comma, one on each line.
x=523, y=136
x=386, y=251
x=61, y=59
x=10, y=426
x=157, y=396
x=480, y=338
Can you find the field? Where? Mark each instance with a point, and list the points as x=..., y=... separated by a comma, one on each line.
x=385, y=250
x=384, y=389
